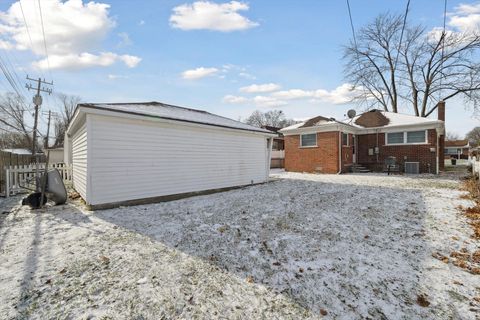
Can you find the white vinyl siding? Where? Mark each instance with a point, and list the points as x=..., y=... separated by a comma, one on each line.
x=308, y=140
x=406, y=137
x=79, y=160
x=136, y=159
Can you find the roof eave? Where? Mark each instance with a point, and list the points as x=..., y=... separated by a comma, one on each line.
x=88, y=108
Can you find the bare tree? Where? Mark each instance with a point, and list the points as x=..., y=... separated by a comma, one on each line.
x=451, y=136
x=12, y=121
x=473, y=136
x=274, y=118
x=396, y=64
x=67, y=104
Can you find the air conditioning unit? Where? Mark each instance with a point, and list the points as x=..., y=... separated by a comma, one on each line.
x=412, y=167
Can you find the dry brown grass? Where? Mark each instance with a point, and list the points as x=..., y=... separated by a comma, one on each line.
x=473, y=213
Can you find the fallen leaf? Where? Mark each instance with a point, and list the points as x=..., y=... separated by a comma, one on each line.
x=422, y=301
x=105, y=260
x=250, y=279
x=323, y=312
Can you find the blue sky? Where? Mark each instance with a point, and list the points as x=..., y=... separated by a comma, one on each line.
x=140, y=51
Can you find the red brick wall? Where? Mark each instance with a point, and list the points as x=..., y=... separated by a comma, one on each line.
x=323, y=158
x=414, y=153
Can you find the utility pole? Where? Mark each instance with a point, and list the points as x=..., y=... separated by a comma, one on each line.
x=45, y=145
x=37, y=101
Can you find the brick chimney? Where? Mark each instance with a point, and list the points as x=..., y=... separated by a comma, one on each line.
x=441, y=110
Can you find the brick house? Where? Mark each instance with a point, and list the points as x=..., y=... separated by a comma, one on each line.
x=325, y=145
x=458, y=149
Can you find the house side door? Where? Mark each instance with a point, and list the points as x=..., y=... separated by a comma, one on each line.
x=354, y=149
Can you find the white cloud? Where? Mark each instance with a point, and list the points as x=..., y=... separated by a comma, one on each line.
x=116, y=76
x=293, y=94
x=199, y=73
x=85, y=60
x=125, y=40
x=72, y=31
x=260, y=88
x=263, y=101
x=130, y=61
x=259, y=101
x=465, y=18
x=211, y=16
x=247, y=75
x=141, y=22
x=340, y=95
x=234, y=99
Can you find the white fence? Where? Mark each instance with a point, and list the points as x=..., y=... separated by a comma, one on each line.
x=278, y=154
x=475, y=166
x=17, y=178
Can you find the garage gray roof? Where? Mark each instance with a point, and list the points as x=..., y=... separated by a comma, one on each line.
x=171, y=112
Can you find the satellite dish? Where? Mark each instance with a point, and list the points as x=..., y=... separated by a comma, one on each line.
x=351, y=113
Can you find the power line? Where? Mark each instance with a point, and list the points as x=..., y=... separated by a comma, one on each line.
x=401, y=34
x=26, y=25
x=44, y=39
x=351, y=25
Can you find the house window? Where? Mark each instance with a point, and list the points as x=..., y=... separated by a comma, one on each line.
x=345, y=139
x=407, y=137
x=416, y=137
x=395, y=137
x=308, y=140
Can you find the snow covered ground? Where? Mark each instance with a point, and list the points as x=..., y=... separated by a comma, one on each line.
x=301, y=246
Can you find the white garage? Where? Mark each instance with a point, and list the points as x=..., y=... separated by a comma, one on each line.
x=136, y=153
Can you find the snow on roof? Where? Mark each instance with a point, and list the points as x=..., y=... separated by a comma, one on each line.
x=18, y=151
x=456, y=143
x=166, y=111
x=395, y=119
x=312, y=122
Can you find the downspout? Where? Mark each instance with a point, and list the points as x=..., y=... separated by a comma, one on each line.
x=437, y=160
x=339, y=152
x=269, y=156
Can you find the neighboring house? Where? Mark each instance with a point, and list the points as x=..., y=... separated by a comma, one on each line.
x=55, y=155
x=325, y=145
x=130, y=153
x=458, y=149
x=278, y=148
x=18, y=151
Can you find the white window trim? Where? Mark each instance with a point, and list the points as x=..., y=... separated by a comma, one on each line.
x=348, y=140
x=316, y=140
x=405, y=143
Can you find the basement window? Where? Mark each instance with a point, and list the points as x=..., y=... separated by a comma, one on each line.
x=308, y=140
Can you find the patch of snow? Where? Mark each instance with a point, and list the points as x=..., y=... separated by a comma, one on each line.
x=355, y=246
